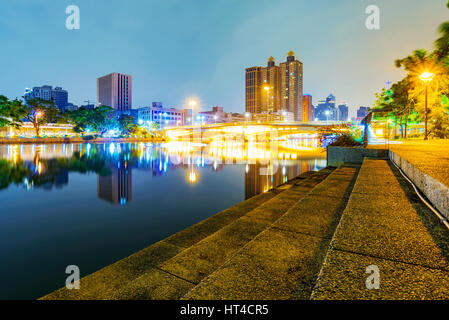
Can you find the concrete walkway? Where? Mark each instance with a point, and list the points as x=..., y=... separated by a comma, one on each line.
x=432, y=156
x=386, y=225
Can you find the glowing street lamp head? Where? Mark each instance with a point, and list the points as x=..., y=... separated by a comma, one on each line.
x=426, y=76
x=266, y=88
x=192, y=103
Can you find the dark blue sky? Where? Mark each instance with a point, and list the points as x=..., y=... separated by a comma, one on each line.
x=175, y=49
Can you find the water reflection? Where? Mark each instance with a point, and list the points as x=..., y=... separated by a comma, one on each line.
x=70, y=202
x=117, y=187
x=48, y=166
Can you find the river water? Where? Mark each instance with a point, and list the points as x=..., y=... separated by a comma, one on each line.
x=90, y=205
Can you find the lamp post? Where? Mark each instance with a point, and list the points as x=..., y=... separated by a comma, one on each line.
x=426, y=77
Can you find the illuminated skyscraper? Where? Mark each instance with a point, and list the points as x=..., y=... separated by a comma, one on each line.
x=115, y=90
x=291, y=87
x=253, y=90
x=275, y=88
x=270, y=83
x=343, y=112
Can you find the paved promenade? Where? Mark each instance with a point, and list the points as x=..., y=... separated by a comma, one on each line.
x=312, y=238
x=431, y=156
x=387, y=226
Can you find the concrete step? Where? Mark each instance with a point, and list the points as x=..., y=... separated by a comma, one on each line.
x=283, y=261
x=385, y=226
x=104, y=283
x=175, y=277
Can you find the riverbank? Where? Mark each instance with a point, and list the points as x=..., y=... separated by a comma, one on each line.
x=75, y=140
x=312, y=238
x=162, y=270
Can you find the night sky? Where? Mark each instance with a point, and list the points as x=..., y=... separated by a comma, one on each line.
x=176, y=49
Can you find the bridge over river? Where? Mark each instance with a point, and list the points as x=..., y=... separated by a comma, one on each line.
x=249, y=130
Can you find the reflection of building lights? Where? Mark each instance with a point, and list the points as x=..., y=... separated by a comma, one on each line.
x=192, y=176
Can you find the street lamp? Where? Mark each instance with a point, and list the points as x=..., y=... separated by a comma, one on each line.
x=426, y=77
x=327, y=115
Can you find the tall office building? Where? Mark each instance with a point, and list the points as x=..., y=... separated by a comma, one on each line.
x=307, y=108
x=291, y=75
x=253, y=90
x=326, y=110
x=115, y=90
x=343, y=112
x=58, y=95
x=275, y=89
x=270, y=84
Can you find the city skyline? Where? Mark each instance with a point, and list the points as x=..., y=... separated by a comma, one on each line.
x=179, y=63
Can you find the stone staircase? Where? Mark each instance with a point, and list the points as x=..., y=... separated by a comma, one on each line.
x=169, y=269
x=283, y=261
x=311, y=238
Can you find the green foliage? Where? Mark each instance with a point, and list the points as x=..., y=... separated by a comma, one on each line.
x=39, y=112
x=342, y=135
x=407, y=98
x=346, y=140
x=95, y=120
x=127, y=125
x=11, y=112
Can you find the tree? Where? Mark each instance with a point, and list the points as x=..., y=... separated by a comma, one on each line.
x=398, y=101
x=422, y=61
x=11, y=112
x=442, y=43
x=39, y=112
x=97, y=120
x=127, y=125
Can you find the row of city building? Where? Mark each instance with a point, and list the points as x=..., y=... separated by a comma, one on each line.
x=329, y=110
x=115, y=90
x=272, y=93
x=275, y=93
